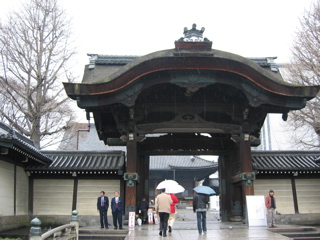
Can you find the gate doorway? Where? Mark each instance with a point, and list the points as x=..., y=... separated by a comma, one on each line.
x=184, y=92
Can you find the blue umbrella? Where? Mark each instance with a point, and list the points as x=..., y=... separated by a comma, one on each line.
x=204, y=190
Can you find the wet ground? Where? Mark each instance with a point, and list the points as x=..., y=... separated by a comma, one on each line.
x=185, y=228
x=215, y=230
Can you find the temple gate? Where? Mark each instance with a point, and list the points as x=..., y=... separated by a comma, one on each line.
x=197, y=100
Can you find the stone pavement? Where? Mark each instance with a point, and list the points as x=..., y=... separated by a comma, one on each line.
x=185, y=228
x=215, y=230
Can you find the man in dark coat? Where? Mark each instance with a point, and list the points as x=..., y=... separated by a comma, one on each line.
x=116, y=207
x=102, y=207
x=200, y=202
x=143, y=210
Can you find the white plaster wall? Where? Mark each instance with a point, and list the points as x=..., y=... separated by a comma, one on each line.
x=22, y=192
x=89, y=191
x=282, y=191
x=308, y=194
x=52, y=196
x=6, y=188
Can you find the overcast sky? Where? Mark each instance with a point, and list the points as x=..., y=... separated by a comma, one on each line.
x=250, y=28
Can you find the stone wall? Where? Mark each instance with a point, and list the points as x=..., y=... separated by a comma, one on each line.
x=308, y=195
x=6, y=189
x=12, y=222
x=22, y=192
x=52, y=196
x=89, y=191
x=282, y=191
x=298, y=219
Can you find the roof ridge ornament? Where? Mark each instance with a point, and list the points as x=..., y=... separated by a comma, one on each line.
x=193, y=35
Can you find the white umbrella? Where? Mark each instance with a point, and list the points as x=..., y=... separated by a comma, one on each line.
x=175, y=189
x=166, y=183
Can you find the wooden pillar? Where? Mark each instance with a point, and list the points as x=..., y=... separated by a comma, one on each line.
x=225, y=187
x=146, y=176
x=15, y=191
x=246, y=163
x=75, y=194
x=30, y=196
x=294, y=193
x=131, y=170
x=143, y=171
x=247, y=171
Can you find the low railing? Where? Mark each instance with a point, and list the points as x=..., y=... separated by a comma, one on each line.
x=65, y=232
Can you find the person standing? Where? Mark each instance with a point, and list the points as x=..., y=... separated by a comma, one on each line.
x=271, y=206
x=163, y=202
x=116, y=207
x=143, y=209
x=172, y=215
x=102, y=207
x=200, y=202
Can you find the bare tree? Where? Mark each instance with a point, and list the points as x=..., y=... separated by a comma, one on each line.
x=35, y=48
x=304, y=69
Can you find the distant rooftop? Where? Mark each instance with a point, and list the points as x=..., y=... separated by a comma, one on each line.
x=286, y=162
x=11, y=139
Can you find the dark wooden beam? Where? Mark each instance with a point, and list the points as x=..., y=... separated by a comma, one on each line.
x=294, y=195
x=115, y=142
x=75, y=194
x=30, y=197
x=184, y=152
x=15, y=191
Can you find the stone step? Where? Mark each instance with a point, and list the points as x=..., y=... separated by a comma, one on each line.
x=102, y=236
x=306, y=238
x=301, y=234
x=114, y=234
x=104, y=231
x=293, y=229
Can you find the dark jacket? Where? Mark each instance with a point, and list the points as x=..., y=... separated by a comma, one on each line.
x=106, y=203
x=144, y=205
x=200, y=201
x=113, y=204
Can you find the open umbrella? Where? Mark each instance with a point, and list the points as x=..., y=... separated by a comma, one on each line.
x=204, y=190
x=166, y=183
x=175, y=189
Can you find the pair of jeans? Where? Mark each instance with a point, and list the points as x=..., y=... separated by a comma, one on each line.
x=202, y=221
x=103, y=218
x=270, y=217
x=163, y=221
x=117, y=218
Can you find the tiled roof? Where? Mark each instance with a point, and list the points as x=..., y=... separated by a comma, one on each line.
x=180, y=162
x=100, y=59
x=82, y=161
x=11, y=139
x=266, y=161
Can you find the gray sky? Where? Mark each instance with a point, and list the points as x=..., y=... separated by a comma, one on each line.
x=250, y=28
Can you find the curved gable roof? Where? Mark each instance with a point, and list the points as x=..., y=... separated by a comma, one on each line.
x=98, y=82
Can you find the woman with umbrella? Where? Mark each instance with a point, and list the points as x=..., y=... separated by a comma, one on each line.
x=200, y=202
x=171, y=190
